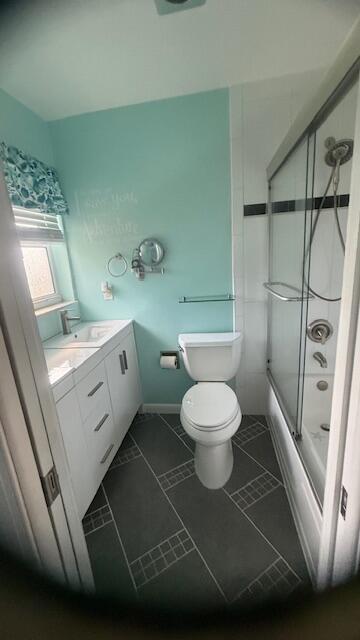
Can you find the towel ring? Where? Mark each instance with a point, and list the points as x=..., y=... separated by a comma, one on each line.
x=117, y=256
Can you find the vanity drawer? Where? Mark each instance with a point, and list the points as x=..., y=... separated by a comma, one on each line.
x=104, y=460
x=99, y=428
x=92, y=390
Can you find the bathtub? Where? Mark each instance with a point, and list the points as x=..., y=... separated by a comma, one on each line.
x=303, y=459
x=314, y=441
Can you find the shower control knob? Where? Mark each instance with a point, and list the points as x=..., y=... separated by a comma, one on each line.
x=319, y=331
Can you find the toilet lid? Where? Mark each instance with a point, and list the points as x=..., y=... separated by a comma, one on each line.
x=210, y=404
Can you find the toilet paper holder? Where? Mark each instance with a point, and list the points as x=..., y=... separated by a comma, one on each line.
x=172, y=353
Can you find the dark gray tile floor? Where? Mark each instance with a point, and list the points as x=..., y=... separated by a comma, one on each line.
x=157, y=536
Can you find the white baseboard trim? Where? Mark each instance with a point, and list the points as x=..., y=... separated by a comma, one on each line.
x=160, y=408
x=303, y=504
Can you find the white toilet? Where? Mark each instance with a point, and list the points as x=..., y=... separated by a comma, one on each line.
x=210, y=412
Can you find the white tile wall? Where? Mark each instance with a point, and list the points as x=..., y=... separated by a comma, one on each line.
x=255, y=258
x=260, y=115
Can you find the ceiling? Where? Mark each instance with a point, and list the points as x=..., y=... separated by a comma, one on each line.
x=75, y=56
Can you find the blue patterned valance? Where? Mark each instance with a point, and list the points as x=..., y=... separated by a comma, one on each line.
x=31, y=183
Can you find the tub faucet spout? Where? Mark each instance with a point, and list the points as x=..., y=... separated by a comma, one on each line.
x=320, y=359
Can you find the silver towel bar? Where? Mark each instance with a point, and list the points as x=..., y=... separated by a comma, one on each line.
x=227, y=297
x=269, y=286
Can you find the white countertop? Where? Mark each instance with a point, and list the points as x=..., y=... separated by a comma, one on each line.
x=61, y=362
x=87, y=334
x=65, y=354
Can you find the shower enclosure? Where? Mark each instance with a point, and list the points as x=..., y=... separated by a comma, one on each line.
x=308, y=204
x=314, y=240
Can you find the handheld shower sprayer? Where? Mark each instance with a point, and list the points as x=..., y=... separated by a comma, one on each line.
x=338, y=152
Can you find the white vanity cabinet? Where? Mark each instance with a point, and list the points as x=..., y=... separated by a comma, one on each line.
x=123, y=380
x=97, y=411
x=76, y=449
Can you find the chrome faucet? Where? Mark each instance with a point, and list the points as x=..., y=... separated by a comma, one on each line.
x=65, y=322
x=320, y=359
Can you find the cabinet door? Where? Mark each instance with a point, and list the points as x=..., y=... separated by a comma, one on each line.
x=79, y=458
x=123, y=380
x=116, y=376
x=132, y=375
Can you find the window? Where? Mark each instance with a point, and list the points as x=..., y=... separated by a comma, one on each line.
x=45, y=256
x=40, y=275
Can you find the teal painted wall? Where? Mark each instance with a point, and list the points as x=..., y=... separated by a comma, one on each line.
x=22, y=128
x=157, y=169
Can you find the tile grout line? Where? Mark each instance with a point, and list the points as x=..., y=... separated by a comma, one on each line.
x=259, y=463
x=163, y=555
x=230, y=497
x=120, y=541
x=183, y=524
x=122, y=464
x=257, y=435
x=174, y=484
x=98, y=528
x=257, y=499
x=262, y=535
x=251, y=481
x=239, y=594
x=91, y=513
x=263, y=573
x=187, y=553
x=233, y=441
x=256, y=422
x=156, y=546
x=176, y=434
x=232, y=494
x=174, y=468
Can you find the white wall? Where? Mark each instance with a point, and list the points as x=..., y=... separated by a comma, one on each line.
x=260, y=116
x=76, y=57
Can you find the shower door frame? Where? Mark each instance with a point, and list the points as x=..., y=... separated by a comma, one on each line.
x=339, y=538
x=293, y=427
x=343, y=564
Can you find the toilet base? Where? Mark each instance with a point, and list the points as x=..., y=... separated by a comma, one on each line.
x=214, y=464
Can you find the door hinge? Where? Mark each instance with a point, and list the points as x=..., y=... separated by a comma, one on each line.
x=343, y=503
x=51, y=487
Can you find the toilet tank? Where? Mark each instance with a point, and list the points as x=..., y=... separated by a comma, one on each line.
x=211, y=357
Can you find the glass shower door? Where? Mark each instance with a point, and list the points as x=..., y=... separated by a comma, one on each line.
x=324, y=255
x=288, y=220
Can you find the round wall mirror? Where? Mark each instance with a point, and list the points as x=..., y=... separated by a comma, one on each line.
x=151, y=252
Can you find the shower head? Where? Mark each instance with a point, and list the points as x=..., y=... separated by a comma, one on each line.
x=339, y=151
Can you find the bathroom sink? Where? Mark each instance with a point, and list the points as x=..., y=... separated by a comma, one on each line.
x=92, y=333
x=87, y=334
x=61, y=362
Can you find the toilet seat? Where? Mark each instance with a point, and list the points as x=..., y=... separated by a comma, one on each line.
x=210, y=406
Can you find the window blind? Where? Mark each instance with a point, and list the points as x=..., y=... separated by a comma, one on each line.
x=34, y=225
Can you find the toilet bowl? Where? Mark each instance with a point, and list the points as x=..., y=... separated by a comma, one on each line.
x=210, y=412
x=210, y=415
